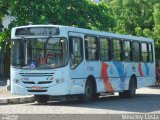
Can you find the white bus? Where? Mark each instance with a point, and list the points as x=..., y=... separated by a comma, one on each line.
x=54, y=60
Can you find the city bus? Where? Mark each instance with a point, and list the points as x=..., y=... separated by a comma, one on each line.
x=56, y=60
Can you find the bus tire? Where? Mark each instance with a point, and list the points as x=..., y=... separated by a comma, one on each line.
x=96, y=96
x=132, y=89
x=89, y=93
x=41, y=99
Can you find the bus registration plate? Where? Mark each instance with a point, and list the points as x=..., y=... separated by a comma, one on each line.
x=36, y=88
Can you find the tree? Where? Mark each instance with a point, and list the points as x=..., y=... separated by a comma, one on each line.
x=82, y=13
x=137, y=17
x=156, y=16
x=3, y=11
x=132, y=15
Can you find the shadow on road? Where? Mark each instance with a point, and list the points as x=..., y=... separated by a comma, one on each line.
x=154, y=87
x=142, y=103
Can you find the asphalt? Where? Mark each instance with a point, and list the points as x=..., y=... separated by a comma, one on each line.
x=7, y=98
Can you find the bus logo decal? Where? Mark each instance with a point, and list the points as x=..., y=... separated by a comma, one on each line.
x=104, y=76
x=52, y=78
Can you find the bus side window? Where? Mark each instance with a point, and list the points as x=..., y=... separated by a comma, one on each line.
x=76, y=51
x=136, y=51
x=116, y=50
x=144, y=52
x=91, y=48
x=127, y=50
x=104, y=49
x=150, y=52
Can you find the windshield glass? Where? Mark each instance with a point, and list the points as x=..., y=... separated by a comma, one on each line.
x=39, y=53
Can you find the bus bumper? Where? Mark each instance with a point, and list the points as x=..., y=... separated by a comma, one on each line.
x=56, y=90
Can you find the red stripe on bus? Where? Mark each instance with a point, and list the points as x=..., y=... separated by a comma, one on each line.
x=104, y=76
x=140, y=69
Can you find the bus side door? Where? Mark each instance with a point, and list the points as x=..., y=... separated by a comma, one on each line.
x=76, y=63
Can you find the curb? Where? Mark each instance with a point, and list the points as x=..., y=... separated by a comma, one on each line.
x=17, y=100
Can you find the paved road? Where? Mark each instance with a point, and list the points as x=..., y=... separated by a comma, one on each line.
x=146, y=101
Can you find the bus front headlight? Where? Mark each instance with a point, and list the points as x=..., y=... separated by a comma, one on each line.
x=15, y=80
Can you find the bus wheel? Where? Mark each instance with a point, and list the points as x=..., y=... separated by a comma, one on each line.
x=132, y=89
x=88, y=95
x=96, y=96
x=41, y=99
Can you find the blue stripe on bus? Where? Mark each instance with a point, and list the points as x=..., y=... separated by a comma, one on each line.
x=147, y=68
x=120, y=68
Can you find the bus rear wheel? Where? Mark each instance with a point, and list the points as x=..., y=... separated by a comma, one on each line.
x=89, y=92
x=132, y=89
x=41, y=99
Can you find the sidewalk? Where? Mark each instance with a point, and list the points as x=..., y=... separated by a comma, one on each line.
x=7, y=98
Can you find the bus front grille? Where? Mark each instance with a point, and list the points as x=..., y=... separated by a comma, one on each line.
x=40, y=82
x=44, y=82
x=36, y=74
x=37, y=90
x=28, y=82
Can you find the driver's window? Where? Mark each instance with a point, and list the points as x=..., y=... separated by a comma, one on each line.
x=76, y=51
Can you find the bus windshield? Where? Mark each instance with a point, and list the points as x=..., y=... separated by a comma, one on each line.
x=42, y=53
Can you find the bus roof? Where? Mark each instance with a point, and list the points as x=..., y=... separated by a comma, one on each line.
x=92, y=32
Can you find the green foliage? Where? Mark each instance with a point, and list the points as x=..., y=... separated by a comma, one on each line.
x=137, y=17
x=82, y=13
x=5, y=39
x=156, y=16
x=132, y=14
x=3, y=12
